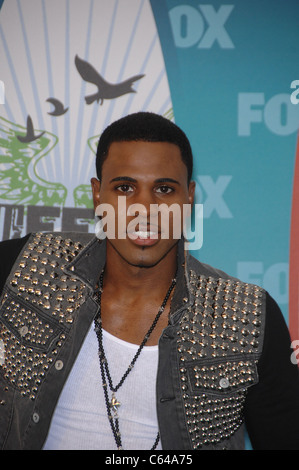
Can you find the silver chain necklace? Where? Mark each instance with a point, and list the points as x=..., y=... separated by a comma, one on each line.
x=112, y=405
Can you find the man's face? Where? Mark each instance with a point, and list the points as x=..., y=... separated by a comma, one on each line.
x=148, y=174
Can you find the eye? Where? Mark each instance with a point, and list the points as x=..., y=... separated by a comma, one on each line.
x=124, y=188
x=164, y=189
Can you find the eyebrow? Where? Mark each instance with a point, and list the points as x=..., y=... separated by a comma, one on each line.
x=132, y=180
x=124, y=178
x=166, y=180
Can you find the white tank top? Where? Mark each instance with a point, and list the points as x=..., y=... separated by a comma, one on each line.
x=80, y=419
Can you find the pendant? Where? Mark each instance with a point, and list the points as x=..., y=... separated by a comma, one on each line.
x=115, y=404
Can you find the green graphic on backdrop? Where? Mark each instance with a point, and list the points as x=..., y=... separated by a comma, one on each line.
x=19, y=180
x=83, y=196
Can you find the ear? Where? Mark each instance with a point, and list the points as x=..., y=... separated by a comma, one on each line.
x=95, y=186
x=191, y=196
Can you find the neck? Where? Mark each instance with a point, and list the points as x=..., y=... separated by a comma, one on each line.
x=125, y=278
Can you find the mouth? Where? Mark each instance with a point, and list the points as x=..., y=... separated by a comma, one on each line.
x=144, y=237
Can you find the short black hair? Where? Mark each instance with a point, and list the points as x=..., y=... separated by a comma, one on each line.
x=146, y=127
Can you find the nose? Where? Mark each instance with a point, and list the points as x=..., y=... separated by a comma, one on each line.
x=142, y=203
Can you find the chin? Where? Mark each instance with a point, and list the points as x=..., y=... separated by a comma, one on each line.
x=143, y=257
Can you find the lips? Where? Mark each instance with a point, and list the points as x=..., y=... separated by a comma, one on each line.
x=144, y=236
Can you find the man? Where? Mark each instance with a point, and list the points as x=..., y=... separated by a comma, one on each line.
x=129, y=342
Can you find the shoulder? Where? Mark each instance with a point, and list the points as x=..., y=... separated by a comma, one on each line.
x=10, y=249
x=203, y=277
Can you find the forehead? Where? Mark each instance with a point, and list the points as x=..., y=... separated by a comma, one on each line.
x=144, y=159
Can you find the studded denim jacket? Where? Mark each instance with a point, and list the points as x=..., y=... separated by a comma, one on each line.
x=208, y=353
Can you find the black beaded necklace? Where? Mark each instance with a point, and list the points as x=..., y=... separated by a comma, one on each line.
x=113, y=405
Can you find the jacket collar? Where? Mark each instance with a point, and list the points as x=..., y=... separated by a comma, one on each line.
x=90, y=262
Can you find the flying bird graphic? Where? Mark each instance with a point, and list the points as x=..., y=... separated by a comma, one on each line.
x=59, y=108
x=30, y=135
x=106, y=91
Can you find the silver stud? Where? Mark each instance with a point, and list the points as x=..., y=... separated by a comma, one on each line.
x=59, y=365
x=224, y=383
x=23, y=330
x=35, y=418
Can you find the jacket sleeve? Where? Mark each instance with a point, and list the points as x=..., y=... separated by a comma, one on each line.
x=272, y=406
x=9, y=250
